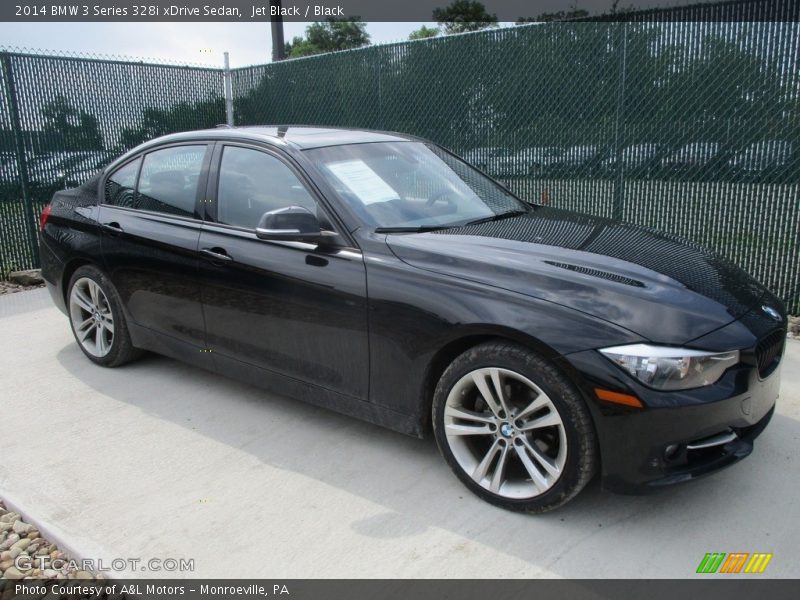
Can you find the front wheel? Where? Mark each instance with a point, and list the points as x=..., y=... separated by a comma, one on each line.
x=513, y=428
x=97, y=319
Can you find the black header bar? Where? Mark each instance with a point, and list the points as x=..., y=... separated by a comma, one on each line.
x=385, y=10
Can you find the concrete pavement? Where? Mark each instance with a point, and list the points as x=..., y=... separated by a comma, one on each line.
x=161, y=460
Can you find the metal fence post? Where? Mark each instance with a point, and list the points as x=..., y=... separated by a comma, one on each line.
x=381, y=124
x=228, y=92
x=619, y=185
x=19, y=146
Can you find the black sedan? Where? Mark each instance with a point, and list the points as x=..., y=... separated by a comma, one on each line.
x=381, y=276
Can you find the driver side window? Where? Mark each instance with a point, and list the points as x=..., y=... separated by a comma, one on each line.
x=252, y=183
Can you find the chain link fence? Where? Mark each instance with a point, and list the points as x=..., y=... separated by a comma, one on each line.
x=691, y=127
x=62, y=118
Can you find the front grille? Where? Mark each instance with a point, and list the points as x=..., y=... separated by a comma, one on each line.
x=768, y=352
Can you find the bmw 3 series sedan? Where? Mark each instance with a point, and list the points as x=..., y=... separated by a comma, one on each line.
x=381, y=276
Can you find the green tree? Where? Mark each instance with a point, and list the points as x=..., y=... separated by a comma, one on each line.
x=464, y=15
x=77, y=129
x=329, y=36
x=423, y=33
x=181, y=117
x=725, y=90
x=561, y=15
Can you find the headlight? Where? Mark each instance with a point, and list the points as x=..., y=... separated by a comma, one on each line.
x=666, y=368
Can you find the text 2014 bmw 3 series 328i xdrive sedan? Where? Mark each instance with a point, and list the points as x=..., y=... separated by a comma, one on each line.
x=381, y=276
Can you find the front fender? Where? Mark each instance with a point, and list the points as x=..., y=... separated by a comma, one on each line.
x=417, y=317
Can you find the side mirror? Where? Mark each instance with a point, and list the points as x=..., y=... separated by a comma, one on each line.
x=292, y=224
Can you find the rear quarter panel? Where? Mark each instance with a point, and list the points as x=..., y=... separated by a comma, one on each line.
x=70, y=237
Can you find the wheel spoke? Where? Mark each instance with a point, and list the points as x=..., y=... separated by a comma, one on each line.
x=457, y=412
x=108, y=323
x=538, y=403
x=483, y=467
x=87, y=324
x=104, y=307
x=548, y=420
x=100, y=341
x=479, y=378
x=498, y=388
x=548, y=465
x=536, y=476
x=458, y=429
x=84, y=333
x=80, y=298
x=93, y=292
x=499, y=470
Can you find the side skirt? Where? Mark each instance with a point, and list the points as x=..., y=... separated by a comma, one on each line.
x=147, y=339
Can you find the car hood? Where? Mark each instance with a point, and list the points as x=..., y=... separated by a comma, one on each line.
x=661, y=287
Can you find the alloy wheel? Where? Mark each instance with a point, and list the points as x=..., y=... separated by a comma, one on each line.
x=505, y=433
x=91, y=316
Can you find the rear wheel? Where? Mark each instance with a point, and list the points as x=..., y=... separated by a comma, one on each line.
x=513, y=428
x=97, y=320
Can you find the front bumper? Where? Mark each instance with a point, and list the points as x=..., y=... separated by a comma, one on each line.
x=680, y=435
x=705, y=456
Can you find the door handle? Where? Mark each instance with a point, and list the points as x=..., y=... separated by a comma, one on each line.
x=112, y=227
x=216, y=254
x=316, y=261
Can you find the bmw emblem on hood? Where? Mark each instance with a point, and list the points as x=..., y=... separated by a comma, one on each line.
x=774, y=314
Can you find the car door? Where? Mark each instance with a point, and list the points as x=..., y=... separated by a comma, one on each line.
x=292, y=308
x=151, y=226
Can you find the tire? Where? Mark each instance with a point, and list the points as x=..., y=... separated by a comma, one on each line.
x=97, y=319
x=549, y=424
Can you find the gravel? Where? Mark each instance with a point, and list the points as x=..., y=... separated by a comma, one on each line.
x=7, y=287
x=21, y=539
x=794, y=327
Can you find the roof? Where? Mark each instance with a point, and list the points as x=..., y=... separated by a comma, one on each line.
x=299, y=136
x=315, y=137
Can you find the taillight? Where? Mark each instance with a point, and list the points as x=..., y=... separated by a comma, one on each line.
x=43, y=217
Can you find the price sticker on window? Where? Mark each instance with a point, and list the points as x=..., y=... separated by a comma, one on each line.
x=363, y=181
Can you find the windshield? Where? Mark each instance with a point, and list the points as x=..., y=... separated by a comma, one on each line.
x=411, y=184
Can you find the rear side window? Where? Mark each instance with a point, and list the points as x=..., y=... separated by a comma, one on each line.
x=168, y=182
x=121, y=183
x=252, y=183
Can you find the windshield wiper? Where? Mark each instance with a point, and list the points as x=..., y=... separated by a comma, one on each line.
x=505, y=215
x=424, y=228
x=418, y=229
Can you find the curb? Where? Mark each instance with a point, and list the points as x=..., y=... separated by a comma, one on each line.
x=50, y=532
